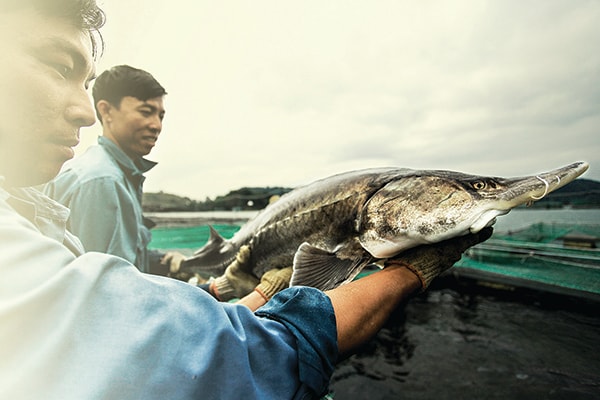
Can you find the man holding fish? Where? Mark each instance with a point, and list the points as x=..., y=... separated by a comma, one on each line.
x=103, y=187
x=77, y=325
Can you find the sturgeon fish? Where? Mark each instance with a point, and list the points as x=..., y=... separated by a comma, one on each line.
x=331, y=229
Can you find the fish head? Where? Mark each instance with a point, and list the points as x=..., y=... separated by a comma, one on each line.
x=431, y=206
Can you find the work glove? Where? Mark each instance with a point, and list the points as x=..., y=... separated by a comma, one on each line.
x=236, y=282
x=173, y=259
x=274, y=281
x=429, y=261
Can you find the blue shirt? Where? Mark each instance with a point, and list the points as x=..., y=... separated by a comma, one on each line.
x=92, y=326
x=103, y=189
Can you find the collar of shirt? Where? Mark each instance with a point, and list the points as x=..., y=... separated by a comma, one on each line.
x=133, y=167
x=49, y=216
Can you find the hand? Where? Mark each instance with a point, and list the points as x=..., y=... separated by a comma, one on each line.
x=429, y=261
x=236, y=282
x=173, y=259
x=271, y=283
x=274, y=281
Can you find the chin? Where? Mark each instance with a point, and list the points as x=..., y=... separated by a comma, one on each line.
x=31, y=173
x=45, y=175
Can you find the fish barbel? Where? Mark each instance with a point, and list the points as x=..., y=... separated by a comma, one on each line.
x=331, y=229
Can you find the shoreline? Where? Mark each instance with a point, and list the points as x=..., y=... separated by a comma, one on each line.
x=516, y=219
x=183, y=219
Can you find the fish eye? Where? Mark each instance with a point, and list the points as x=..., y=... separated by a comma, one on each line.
x=478, y=185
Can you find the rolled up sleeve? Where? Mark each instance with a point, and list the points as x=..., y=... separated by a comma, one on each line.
x=308, y=314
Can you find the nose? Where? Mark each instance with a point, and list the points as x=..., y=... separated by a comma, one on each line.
x=80, y=110
x=155, y=124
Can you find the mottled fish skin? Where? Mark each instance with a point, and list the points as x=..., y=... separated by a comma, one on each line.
x=331, y=229
x=322, y=213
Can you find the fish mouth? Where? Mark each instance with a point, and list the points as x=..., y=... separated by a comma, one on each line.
x=488, y=218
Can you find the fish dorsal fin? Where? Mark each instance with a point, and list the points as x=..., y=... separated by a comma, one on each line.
x=215, y=240
x=213, y=257
x=214, y=236
x=322, y=269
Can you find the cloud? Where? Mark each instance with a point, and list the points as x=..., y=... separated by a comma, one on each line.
x=280, y=93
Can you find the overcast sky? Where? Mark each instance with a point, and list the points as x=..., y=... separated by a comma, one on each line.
x=280, y=93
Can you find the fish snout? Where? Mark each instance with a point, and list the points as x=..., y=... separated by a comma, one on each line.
x=527, y=190
x=558, y=178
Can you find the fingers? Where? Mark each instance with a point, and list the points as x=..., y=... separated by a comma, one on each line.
x=273, y=281
x=243, y=255
x=284, y=274
x=462, y=243
x=485, y=234
x=429, y=261
x=174, y=260
x=475, y=238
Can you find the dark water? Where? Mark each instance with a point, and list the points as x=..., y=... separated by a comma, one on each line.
x=463, y=342
x=457, y=343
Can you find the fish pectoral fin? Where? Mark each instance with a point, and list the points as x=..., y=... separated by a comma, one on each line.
x=322, y=269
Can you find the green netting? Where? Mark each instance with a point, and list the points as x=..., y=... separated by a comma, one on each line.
x=537, y=254
x=527, y=254
x=187, y=238
x=580, y=279
x=549, y=232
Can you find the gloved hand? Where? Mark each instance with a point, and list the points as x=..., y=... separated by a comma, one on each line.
x=274, y=281
x=429, y=261
x=235, y=282
x=173, y=259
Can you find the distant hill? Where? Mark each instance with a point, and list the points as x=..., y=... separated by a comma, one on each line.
x=166, y=202
x=247, y=198
x=581, y=193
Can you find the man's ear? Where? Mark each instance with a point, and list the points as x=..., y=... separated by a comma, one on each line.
x=104, y=109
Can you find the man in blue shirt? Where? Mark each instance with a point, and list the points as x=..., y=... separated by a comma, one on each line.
x=77, y=325
x=103, y=188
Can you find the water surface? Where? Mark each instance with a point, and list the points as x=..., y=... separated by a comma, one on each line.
x=456, y=342
x=447, y=344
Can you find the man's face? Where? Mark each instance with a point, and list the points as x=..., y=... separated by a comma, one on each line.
x=135, y=124
x=45, y=69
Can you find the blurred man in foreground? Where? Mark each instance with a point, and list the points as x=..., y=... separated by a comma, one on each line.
x=77, y=325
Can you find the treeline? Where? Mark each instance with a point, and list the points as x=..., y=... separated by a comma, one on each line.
x=247, y=198
x=581, y=193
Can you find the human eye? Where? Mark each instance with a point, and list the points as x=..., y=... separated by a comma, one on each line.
x=62, y=69
x=58, y=62
x=145, y=112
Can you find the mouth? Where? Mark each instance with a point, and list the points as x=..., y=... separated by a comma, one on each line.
x=150, y=139
x=64, y=149
x=64, y=153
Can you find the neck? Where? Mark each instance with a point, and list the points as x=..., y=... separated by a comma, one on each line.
x=112, y=138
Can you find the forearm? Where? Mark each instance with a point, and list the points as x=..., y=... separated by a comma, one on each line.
x=362, y=307
x=253, y=300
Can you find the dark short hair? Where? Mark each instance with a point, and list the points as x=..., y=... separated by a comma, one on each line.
x=83, y=14
x=122, y=80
